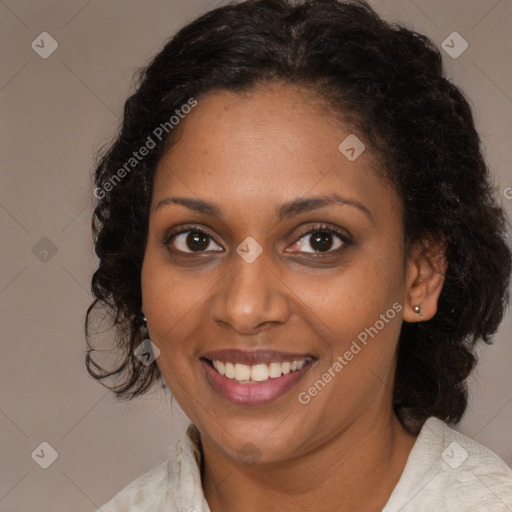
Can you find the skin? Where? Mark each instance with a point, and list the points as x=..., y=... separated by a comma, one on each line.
x=249, y=154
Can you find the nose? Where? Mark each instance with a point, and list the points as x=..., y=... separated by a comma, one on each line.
x=251, y=297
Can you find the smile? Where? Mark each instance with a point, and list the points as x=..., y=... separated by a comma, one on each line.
x=254, y=378
x=252, y=374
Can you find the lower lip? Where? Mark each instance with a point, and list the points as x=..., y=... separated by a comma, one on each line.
x=253, y=394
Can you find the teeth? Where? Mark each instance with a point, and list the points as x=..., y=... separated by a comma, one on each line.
x=274, y=370
x=259, y=372
x=242, y=372
x=229, y=370
x=219, y=366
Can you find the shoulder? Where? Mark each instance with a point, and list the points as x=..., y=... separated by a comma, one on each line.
x=143, y=494
x=447, y=470
x=169, y=486
x=463, y=458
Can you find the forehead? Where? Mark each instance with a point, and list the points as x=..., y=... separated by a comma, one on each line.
x=268, y=146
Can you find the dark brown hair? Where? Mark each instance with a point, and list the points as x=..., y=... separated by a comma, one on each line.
x=389, y=83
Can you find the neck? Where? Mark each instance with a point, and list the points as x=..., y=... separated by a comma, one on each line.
x=355, y=470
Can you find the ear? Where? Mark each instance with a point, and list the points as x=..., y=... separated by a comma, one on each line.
x=426, y=268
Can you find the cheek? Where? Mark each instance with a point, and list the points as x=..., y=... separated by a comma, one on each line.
x=168, y=303
x=170, y=290
x=352, y=297
x=356, y=316
x=169, y=298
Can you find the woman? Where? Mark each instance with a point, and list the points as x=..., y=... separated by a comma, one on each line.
x=298, y=215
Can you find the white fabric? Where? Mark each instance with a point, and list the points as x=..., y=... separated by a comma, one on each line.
x=445, y=471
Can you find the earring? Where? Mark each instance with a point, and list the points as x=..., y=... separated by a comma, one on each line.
x=417, y=310
x=140, y=320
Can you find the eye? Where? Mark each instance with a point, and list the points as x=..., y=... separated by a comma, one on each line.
x=321, y=239
x=190, y=241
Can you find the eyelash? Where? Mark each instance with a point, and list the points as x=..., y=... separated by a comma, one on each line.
x=322, y=228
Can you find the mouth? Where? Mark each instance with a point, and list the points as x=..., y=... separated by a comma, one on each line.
x=254, y=378
x=253, y=374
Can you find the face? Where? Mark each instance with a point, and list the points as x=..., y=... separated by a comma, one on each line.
x=267, y=245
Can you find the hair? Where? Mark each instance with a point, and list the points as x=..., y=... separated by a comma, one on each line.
x=389, y=83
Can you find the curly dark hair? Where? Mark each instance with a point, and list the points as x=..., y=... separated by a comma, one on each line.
x=386, y=81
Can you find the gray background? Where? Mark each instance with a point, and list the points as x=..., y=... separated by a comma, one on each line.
x=56, y=112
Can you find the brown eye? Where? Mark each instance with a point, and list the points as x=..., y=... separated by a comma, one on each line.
x=192, y=241
x=321, y=239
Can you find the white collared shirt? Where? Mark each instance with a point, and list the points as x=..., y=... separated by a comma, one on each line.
x=445, y=471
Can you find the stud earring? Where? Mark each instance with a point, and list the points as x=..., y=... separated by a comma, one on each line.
x=417, y=310
x=140, y=320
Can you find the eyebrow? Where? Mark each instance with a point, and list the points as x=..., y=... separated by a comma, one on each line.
x=286, y=210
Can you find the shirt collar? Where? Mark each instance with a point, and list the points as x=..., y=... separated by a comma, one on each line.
x=185, y=463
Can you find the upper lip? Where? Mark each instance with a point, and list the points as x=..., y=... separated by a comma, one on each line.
x=254, y=356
